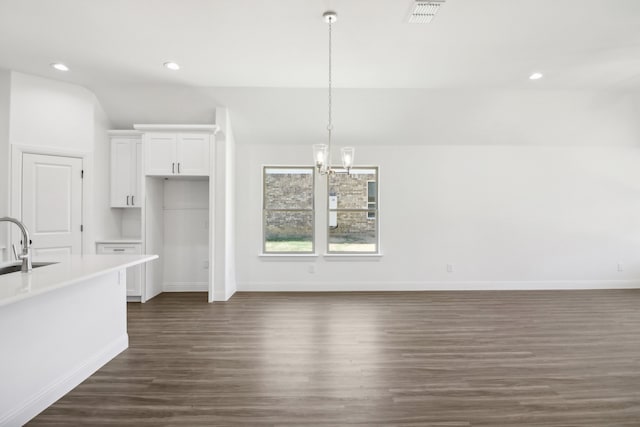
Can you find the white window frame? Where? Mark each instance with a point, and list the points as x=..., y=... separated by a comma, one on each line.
x=364, y=210
x=312, y=210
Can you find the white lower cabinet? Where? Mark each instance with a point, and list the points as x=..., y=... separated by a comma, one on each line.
x=134, y=274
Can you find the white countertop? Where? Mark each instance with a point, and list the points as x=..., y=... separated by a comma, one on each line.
x=76, y=268
x=119, y=241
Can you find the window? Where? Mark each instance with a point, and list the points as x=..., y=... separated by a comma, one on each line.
x=288, y=209
x=371, y=199
x=353, y=211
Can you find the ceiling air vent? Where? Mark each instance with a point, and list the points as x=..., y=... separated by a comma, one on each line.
x=424, y=11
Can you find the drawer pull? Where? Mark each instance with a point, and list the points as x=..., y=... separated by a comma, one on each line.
x=118, y=249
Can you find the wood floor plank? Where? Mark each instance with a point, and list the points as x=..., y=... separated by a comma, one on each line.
x=454, y=359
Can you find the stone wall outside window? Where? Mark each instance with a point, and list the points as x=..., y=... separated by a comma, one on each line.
x=288, y=191
x=352, y=194
x=293, y=191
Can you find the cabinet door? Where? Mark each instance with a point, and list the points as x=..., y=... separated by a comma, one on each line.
x=120, y=173
x=160, y=154
x=134, y=277
x=193, y=154
x=134, y=281
x=134, y=274
x=136, y=174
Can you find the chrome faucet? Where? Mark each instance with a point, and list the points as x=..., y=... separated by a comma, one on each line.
x=25, y=256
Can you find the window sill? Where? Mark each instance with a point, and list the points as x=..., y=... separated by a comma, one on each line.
x=352, y=256
x=263, y=255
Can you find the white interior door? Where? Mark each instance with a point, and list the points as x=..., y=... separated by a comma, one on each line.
x=52, y=204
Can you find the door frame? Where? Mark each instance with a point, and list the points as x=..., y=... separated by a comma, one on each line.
x=15, y=205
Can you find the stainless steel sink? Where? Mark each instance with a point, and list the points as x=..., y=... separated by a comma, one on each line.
x=12, y=268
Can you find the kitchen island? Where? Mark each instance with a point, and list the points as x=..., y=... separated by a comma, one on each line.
x=58, y=325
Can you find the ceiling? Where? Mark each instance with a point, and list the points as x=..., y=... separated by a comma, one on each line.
x=231, y=50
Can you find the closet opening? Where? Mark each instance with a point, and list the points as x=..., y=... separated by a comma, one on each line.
x=177, y=222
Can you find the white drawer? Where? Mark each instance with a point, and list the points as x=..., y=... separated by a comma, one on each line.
x=119, y=249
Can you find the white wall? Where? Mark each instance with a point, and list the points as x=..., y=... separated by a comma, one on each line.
x=230, y=211
x=186, y=235
x=131, y=224
x=67, y=118
x=635, y=111
x=542, y=213
x=153, y=237
x=223, y=245
x=50, y=113
x=464, y=116
x=107, y=221
x=5, y=93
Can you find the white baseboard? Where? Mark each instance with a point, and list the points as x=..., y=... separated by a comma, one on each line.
x=224, y=296
x=230, y=292
x=436, y=286
x=185, y=287
x=64, y=384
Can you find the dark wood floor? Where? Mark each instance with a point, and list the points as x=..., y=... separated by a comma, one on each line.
x=564, y=358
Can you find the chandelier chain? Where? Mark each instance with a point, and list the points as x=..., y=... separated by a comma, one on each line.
x=322, y=152
x=330, y=125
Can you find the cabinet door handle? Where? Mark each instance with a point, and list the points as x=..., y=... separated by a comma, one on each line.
x=173, y=168
x=127, y=200
x=132, y=202
x=178, y=167
x=118, y=249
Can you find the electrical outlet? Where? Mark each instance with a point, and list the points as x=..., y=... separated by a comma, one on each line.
x=205, y=264
x=311, y=269
x=449, y=268
x=620, y=267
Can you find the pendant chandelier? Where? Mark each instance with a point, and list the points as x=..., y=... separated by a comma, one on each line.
x=322, y=152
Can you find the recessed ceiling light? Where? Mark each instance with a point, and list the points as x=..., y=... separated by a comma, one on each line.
x=60, y=66
x=171, y=65
x=535, y=76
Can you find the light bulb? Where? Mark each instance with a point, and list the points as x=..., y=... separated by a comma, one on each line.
x=320, y=154
x=347, y=156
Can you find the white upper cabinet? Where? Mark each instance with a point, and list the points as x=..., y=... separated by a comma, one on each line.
x=160, y=151
x=193, y=154
x=185, y=154
x=126, y=172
